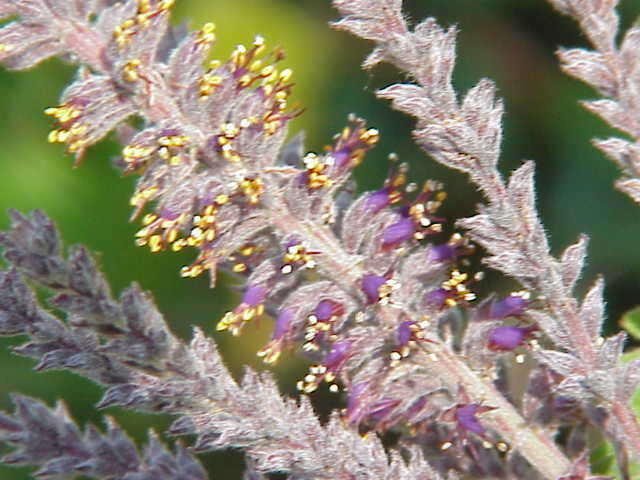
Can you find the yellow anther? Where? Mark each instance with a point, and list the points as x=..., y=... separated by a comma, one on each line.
x=239, y=268
x=244, y=80
x=222, y=199
x=238, y=56
x=267, y=71
x=178, y=245
x=78, y=129
x=229, y=130
x=149, y=218
x=143, y=6
x=286, y=74
x=255, y=66
x=155, y=243
x=206, y=34
x=130, y=70
x=252, y=189
x=63, y=136
x=53, y=136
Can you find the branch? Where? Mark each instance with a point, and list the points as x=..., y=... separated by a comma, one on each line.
x=209, y=155
x=613, y=71
x=50, y=439
x=128, y=347
x=466, y=136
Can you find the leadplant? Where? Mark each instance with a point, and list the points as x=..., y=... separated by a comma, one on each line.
x=363, y=285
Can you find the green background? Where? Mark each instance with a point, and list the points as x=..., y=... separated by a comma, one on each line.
x=510, y=42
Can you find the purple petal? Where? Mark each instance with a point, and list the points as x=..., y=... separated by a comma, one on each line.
x=382, y=409
x=507, y=338
x=327, y=309
x=283, y=322
x=341, y=157
x=466, y=417
x=354, y=411
x=337, y=355
x=441, y=253
x=370, y=285
x=511, y=306
x=376, y=201
x=254, y=295
x=403, y=333
x=399, y=232
x=437, y=297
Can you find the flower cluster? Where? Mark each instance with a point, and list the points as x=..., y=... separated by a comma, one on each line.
x=365, y=287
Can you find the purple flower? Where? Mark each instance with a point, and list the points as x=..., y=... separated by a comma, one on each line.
x=512, y=306
x=465, y=415
x=437, y=297
x=355, y=413
x=337, y=355
x=271, y=351
x=283, y=323
x=327, y=309
x=442, y=253
x=250, y=307
x=508, y=338
x=377, y=200
x=381, y=410
x=404, y=333
x=359, y=408
x=254, y=295
x=328, y=369
x=370, y=286
x=398, y=232
x=341, y=157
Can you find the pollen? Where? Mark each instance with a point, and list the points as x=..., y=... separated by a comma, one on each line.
x=297, y=255
x=235, y=320
x=207, y=84
x=123, y=33
x=64, y=113
x=315, y=175
x=456, y=288
x=252, y=189
x=206, y=35
x=130, y=71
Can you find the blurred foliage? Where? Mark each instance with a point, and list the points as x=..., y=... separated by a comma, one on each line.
x=511, y=42
x=631, y=322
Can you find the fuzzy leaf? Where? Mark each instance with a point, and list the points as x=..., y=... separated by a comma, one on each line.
x=556, y=330
x=563, y=363
x=48, y=438
x=630, y=186
x=590, y=67
x=572, y=262
x=613, y=113
x=624, y=153
x=483, y=115
x=592, y=309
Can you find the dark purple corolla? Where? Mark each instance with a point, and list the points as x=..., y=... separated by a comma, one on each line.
x=371, y=287
x=507, y=338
